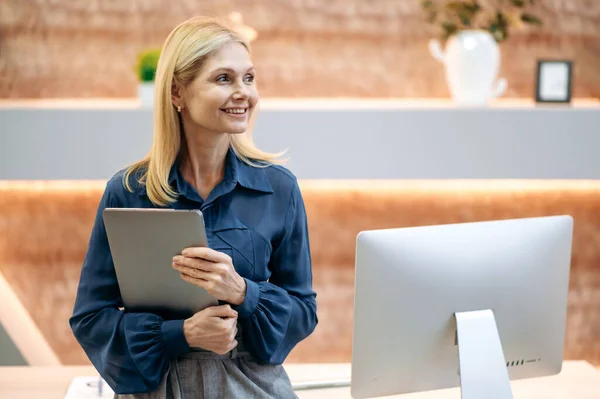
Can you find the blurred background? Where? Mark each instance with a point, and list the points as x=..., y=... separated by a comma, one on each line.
x=357, y=93
x=302, y=48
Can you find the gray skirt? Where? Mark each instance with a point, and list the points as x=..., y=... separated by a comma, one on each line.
x=201, y=374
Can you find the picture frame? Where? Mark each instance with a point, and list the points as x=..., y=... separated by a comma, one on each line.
x=554, y=81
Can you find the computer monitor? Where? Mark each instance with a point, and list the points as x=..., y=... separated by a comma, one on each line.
x=473, y=305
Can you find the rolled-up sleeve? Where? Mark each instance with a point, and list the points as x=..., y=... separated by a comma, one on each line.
x=279, y=313
x=131, y=351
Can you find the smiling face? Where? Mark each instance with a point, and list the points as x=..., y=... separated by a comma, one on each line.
x=222, y=96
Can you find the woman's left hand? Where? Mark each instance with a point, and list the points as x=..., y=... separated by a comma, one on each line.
x=213, y=271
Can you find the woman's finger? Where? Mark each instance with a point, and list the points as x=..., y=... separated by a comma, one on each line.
x=195, y=263
x=197, y=282
x=208, y=254
x=192, y=272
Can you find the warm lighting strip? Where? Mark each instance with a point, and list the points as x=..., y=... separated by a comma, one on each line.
x=41, y=185
x=480, y=185
x=472, y=185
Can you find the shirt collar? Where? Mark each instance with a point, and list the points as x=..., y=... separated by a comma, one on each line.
x=250, y=177
x=236, y=171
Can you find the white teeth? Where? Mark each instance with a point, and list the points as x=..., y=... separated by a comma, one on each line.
x=235, y=110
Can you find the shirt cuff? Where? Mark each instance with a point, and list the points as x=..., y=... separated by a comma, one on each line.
x=174, y=339
x=248, y=307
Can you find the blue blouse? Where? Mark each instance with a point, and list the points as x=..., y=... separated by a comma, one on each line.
x=255, y=215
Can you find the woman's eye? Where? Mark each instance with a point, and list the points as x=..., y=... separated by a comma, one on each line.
x=225, y=78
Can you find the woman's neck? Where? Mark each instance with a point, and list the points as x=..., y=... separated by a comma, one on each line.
x=203, y=161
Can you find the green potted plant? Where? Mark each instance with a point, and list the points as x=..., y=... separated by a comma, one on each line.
x=147, y=61
x=471, y=32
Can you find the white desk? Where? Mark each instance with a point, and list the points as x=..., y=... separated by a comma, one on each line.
x=578, y=380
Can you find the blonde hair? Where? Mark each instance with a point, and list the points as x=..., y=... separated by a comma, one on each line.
x=182, y=55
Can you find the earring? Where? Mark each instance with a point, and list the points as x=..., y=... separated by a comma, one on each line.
x=179, y=108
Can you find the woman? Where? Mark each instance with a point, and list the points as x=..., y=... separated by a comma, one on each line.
x=258, y=264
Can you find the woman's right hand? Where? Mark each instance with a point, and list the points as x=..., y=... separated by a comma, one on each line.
x=213, y=329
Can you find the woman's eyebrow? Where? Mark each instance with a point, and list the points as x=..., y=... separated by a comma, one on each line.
x=230, y=70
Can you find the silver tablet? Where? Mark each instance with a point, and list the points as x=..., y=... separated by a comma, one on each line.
x=143, y=243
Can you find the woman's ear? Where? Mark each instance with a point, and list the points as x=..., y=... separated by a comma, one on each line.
x=176, y=94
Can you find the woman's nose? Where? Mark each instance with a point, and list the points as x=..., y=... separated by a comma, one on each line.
x=241, y=91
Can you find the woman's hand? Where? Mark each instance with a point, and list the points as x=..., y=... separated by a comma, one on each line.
x=213, y=271
x=213, y=329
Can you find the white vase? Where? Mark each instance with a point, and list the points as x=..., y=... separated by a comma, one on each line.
x=472, y=61
x=146, y=94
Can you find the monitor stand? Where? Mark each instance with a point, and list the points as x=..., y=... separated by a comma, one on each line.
x=483, y=371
